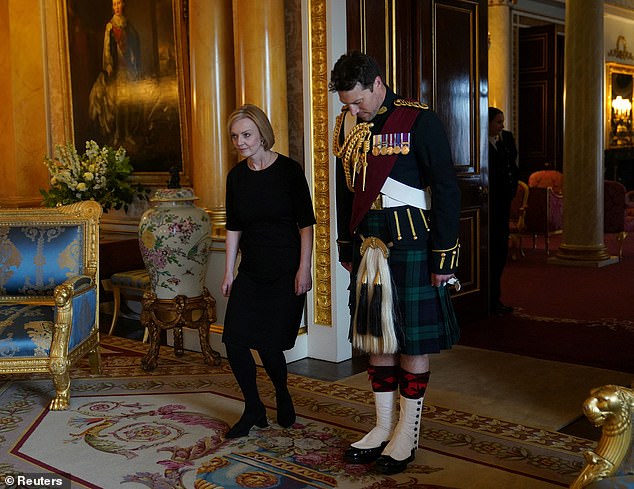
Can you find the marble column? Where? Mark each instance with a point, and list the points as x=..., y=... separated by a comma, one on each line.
x=23, y=141
x=501, y=58
x=582, y=243
x=213, y=99
x=260, y=61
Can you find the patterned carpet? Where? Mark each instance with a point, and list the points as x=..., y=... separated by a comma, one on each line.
x=166, y=429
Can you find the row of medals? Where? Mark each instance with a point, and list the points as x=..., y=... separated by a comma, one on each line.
x=388, y=144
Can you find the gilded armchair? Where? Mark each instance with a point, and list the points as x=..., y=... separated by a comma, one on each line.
x=547, y=178
x=611, y=464
x=49, y=295
x=517, y=224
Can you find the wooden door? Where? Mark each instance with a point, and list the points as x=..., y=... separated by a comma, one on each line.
x=435, y=51
x=540, y=99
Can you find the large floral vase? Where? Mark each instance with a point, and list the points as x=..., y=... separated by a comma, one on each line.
x=175, y=237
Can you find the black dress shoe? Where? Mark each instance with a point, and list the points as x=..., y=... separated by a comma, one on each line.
x=363, y=455
x=285, y=411
x=500, y=309
x=246, y=422
x=387, y=465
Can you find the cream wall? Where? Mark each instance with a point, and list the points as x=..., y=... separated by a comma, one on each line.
x=618, y=22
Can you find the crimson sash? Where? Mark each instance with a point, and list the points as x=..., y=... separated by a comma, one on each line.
x=379, y=167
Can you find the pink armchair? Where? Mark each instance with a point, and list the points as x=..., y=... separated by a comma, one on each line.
x=545, y=206
x=517, y=223
x=618, y=217
x=547, y=178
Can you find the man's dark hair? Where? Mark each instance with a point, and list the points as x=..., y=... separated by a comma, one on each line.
x=352, y=68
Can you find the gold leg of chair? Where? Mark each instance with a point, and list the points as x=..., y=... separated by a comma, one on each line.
x=62, y=391
x=116, y=294
x=620, y=238
x=513, y=246
x=94, y=360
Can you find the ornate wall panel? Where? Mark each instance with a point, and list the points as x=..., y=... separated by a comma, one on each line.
x=321, y=159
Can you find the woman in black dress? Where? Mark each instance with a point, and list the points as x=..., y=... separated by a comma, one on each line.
x=270, y=220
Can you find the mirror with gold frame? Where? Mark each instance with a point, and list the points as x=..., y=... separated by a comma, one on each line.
x=618, y=107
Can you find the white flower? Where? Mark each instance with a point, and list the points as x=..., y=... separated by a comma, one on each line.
x=99, y=174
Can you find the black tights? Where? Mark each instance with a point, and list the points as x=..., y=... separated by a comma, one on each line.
x=243, y=365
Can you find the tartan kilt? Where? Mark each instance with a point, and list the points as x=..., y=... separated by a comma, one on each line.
x=426, y=318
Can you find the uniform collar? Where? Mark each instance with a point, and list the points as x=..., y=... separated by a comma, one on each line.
x=386, y=108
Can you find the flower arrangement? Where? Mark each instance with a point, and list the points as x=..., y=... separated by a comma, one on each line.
x=100, y=174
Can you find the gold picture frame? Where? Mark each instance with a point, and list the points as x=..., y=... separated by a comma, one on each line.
x=123, y=80
x=619, y=95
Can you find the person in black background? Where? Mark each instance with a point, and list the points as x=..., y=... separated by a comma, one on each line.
x=503, y=175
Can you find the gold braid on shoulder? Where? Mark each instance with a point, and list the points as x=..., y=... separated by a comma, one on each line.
x=354, y=150
x=410, y=103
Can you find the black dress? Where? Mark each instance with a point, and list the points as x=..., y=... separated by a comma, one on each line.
x=268, y=207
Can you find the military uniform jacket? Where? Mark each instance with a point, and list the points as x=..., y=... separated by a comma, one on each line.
x=427, y=164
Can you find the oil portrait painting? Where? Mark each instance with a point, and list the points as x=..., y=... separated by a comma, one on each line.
x=125, y=79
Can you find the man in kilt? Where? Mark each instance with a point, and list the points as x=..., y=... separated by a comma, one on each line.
x=398, y=205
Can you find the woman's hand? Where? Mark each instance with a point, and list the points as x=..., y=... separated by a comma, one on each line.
x=303, y=281
x=227, y=283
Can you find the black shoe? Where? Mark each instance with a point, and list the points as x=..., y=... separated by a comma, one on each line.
x=285, y=410
x=363, y=455
x=500, y=309
x=246, y=422
x=387, y=465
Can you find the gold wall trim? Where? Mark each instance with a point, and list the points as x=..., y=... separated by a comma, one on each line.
x=320, y=157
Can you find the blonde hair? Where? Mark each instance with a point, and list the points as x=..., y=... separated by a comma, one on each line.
x=259, y=118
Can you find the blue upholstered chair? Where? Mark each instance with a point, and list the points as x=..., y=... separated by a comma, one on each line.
x=49, y=298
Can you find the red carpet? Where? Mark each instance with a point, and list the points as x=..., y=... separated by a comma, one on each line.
x=570, y=314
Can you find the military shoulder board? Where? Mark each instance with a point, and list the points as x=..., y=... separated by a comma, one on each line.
x=410, y=103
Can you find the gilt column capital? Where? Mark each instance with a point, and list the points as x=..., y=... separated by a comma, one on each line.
x=502, y=3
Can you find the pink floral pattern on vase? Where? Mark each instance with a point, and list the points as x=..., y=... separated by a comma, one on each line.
x=174, y=237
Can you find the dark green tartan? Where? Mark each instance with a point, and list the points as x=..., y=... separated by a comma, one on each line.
x=426, y=315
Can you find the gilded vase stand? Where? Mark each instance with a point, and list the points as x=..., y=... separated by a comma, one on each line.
x=164, y=314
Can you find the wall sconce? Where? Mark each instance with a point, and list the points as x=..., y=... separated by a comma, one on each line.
x=621, y=120
x=622, y=108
